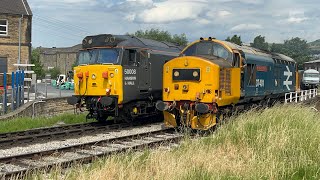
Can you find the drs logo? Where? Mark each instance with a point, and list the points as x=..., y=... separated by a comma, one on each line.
x=130, y=71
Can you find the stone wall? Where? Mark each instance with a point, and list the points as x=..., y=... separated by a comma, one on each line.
x=62, y=60
x=9, y=45
x=49, y=107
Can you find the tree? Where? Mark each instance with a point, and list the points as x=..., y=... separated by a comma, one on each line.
x=160, y=35
x=54, y=72
x=35, y=59
x=235, y=39
x=260, y=43
x=295, y=48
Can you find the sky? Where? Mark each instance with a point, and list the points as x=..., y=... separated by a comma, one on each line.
x=63, y=23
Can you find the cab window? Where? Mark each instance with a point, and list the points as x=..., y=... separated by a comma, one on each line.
x=130, y=57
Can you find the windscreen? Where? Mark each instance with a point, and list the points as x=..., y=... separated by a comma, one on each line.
x=209, y=49
x=98, y=56
x=315, y=75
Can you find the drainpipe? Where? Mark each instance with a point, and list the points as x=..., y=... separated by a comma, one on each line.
x=19, y=51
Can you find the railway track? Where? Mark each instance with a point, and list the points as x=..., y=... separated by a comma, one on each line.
x=21, y=138
x=20, y=164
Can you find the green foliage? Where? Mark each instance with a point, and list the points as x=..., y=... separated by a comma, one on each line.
x=259, y=42
x=161, y=35
x=21, y=124
x=35, y=59
x=315, y=43
x=235, y=39
x=54, y=72
x=295, y=48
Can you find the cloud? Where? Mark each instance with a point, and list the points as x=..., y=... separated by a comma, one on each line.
x=274, y=19
x=171, y=11
x=245, y=27
x=296, y=17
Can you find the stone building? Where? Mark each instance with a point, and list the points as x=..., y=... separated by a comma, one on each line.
x=312, y=65
x=62, y=58
x=15, y=19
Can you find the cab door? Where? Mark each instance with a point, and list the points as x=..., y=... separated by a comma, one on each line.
x=144, y=72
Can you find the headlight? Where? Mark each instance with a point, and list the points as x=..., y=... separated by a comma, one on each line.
x=195, y=74
x=93, y=76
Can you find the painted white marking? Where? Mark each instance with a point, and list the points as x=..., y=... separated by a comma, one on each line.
x=287, y=73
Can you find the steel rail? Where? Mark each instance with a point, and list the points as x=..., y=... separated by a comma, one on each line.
x=83, y=153
x=14, y=139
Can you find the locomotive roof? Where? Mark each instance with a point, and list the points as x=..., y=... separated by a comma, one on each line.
x=255, y=51
x=105, y=40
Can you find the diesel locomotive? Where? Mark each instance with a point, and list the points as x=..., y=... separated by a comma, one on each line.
x=213, y=77
x=120, y=76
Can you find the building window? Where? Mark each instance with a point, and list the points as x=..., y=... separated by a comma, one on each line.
x=3, y=27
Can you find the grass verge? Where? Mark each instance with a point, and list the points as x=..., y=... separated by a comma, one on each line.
x=25, y=123
x=277, y=143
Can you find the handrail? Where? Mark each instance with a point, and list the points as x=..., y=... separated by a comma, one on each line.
x=300, y=96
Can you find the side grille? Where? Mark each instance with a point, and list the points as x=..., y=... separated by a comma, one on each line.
x=225, y=81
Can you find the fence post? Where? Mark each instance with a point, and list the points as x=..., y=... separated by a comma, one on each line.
x=5, y=92
x=17, y=90
x=22, y=89
x=13, y=91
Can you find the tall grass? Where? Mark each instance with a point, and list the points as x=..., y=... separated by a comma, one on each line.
x=278, y=143
x=25, y=123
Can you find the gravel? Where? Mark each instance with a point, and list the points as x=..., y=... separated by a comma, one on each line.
x=85, y=139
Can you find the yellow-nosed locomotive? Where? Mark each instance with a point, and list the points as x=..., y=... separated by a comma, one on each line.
x=212, y=77
x=120, y=75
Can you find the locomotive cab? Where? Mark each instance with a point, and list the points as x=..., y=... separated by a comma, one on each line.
x=116, y=76
x=198, y=83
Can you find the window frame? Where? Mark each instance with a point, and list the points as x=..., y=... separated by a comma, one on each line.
x=6, y=26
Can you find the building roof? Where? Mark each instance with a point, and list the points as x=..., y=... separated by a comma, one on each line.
x=311, y=62
x=54, y=50
x=311, y=71
x=18, y=7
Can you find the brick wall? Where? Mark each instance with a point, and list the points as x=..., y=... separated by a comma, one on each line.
x=9, y=47
x=50, y=107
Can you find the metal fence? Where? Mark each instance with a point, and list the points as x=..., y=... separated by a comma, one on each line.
x=300, y=96
x=12, y=91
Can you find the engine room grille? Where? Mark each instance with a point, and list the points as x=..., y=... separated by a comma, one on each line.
x=225, y=81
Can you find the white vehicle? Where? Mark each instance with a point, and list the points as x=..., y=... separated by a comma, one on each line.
x=310, y=79
x=61, y=79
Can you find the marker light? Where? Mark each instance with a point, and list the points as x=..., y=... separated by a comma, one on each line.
x=87, y=74
x=111, y=75
x=80, y=75
x=105, y=75
x=167, y=90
